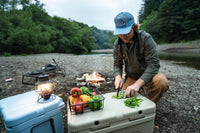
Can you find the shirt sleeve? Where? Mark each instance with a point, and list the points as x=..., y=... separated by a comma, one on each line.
x=118, y=61
x=151, y=59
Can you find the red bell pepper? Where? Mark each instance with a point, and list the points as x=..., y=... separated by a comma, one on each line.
x=78, y=108
x=75, y=92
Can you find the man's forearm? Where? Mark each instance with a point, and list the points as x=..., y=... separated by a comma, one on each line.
x=140, y=83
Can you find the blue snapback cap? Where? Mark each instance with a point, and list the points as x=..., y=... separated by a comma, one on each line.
x=123, y=23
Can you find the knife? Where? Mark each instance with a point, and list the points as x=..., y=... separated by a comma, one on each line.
x=119, y=88
x=117, y=91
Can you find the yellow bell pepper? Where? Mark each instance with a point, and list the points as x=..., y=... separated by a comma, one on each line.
x=73, y=99
x=84, y=98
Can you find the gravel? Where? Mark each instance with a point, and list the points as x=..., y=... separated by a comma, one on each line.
x=177, y=111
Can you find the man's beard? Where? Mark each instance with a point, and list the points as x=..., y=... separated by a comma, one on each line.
x=127, y=40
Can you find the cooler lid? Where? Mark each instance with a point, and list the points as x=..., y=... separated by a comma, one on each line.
x=114, y=111
x=23, y=107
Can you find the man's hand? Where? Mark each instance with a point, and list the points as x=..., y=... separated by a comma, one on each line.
x=131, y=90
x=118, y=81
x=134, y=88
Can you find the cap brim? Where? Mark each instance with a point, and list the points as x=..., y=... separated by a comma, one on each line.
x=119, y=31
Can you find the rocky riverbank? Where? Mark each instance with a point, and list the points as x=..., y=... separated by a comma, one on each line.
x=177, y=111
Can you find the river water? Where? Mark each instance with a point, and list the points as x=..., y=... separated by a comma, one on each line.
x=189, y=59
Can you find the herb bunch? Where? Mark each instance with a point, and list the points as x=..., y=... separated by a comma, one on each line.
x=133, y=102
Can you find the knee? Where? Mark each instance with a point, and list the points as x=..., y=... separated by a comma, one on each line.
x=160, y=81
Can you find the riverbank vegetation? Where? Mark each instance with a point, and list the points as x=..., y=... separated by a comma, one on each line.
x=26, y=28
x=171, y=20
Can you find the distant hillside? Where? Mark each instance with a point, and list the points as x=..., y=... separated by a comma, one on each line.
x=30, y=30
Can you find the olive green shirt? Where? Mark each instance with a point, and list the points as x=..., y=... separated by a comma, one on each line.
x=140, y=58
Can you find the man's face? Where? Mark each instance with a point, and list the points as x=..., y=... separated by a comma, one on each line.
x=127, y=38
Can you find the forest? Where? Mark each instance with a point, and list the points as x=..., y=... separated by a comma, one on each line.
x=30, y=30
x=26, y=28
x=171, y=20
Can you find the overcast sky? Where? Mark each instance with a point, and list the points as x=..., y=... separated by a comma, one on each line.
x=98, y=13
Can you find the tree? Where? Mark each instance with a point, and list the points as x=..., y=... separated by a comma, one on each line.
x=25, y=3
x=175, y=20
x=13, y=4
x=148, y=7
x=4, y=5
x=31, y=30
x=150, y=24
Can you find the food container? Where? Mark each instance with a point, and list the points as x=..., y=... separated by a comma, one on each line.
x=23, y=114
x=86, y=108
x=115, y=117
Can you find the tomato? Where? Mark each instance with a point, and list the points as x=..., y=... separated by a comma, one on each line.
x=94, y=93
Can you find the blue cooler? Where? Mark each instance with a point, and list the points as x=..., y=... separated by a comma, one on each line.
x=23, y=114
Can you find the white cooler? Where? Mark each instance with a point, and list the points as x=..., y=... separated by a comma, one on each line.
x=115, y=117
x=23, y=114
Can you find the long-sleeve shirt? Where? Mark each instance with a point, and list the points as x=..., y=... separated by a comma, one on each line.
x=140, y=58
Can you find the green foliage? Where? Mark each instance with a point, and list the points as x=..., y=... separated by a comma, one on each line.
x=172, y=20
x=148, y=7
x=7, y=54
x=150, y=24
x=104, y=39
x=4, y=5
x=31, y=30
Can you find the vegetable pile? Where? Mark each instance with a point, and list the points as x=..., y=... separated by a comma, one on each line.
x=120, y=96
x=82, y=97
x=130, y=102
x=133, y=102
x=95, y=102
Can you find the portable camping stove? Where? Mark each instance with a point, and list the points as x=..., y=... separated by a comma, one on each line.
x=49, y=69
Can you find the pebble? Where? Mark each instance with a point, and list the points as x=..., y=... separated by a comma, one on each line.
x=196, y=108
